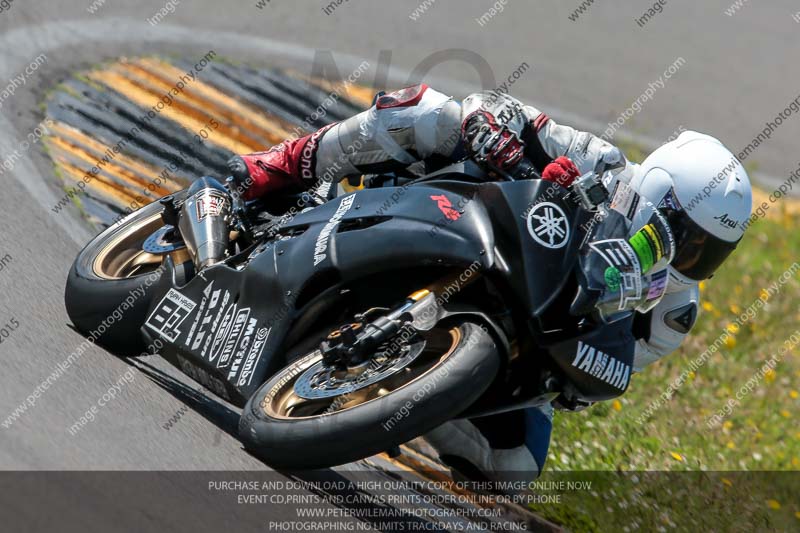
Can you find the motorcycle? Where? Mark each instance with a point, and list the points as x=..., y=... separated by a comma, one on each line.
x=348, y=328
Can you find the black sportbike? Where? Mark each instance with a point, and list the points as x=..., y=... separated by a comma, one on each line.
x=349, y=327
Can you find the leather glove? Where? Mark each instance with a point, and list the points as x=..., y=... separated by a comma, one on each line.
x=241, y=174
x=562, y=171
x=487, y=141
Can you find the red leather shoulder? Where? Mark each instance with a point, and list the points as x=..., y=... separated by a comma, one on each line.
x=408, y=97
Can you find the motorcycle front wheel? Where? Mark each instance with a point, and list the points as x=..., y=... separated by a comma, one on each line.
x=111, y=269
x=308, y=416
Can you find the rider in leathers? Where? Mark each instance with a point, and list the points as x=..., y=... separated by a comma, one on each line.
x=419, y=126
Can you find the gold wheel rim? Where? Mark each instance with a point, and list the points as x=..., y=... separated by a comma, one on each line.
x=281, y=402
x=122, y=257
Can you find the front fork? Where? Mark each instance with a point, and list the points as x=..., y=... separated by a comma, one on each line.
x=354, y=344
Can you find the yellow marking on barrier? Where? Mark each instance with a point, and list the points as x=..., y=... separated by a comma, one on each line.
x=188, y=101
x=136, y=173
x=100, y=184
x=239, y=114
x=178, y=112
x=122, y=179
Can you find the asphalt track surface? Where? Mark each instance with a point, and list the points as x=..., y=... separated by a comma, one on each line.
x=739, y=73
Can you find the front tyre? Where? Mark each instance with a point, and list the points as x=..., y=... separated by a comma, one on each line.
x=111, y=269
x=455, y=364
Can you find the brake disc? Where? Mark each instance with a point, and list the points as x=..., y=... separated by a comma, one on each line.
x=157, y=243
x=322, y=381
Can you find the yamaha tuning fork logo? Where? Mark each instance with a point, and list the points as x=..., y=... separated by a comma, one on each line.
x=548, y=225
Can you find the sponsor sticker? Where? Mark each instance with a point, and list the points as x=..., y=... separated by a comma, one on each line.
x=658, y=285
x=169, y=314
x=237, y=326
x=321, y=246
x=625, y=200
x=602, y=366
x=209, y=204
x=209, y=335
x=244, y=344
x=548, y=225
x=253, y=356
x=199, y=315
x=221, y=332
x=619, y=254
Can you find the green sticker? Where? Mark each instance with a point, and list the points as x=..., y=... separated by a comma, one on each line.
x=641, y=245
x=613, y=278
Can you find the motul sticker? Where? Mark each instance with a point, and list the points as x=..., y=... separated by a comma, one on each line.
x=237, y=326
x=169, y=314
x=244, y=344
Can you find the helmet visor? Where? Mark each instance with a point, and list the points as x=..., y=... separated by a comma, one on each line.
x=698, y=253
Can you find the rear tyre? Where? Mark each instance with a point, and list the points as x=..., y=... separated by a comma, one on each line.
x=458, y=363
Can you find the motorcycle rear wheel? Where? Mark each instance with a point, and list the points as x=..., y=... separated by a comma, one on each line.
x=457, y=364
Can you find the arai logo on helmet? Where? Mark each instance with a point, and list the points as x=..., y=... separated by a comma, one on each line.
x=548, y=225
x=727, y=222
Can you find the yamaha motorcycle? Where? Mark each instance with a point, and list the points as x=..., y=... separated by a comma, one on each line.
x=348, y=328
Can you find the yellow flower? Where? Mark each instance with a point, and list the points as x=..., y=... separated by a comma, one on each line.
x=774, y=504
x=703, y=285
x=708, y=306
x=727, y=482
x=730, y=342
x=732, y=328
x=769, y=376
x=727, y=424
x=730, y=445
x=692, y=375
x=785, y=413
x=738, y=290
x=735, y=309
x=616, y=405
x=797, y=515
x=793, y=394
x=677, y=456
x=795, y=462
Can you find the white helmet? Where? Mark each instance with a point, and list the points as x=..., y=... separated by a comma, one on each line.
x=705, y=193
